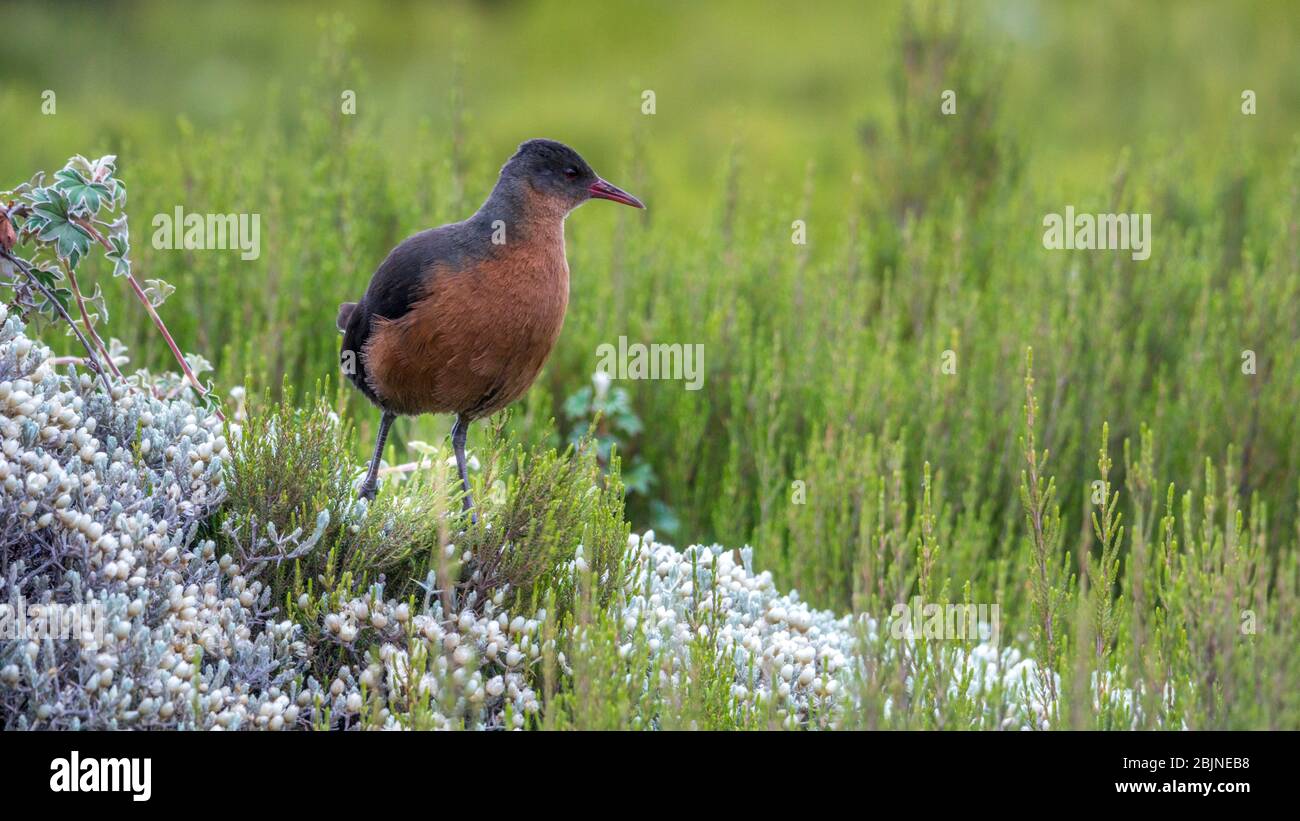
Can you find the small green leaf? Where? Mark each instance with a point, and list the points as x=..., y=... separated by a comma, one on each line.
x=84, y=195
x=120, y=257
x=96, y=299
x=51, y=221
x=578, y=403
x=157, y=291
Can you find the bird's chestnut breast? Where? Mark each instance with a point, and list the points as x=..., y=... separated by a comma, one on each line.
x=479, y=336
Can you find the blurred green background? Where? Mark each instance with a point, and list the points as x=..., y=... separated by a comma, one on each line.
x=822, y=360
x=791, y=82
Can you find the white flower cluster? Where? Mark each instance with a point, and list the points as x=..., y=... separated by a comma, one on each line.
x=479, y=666
x=781, y=647
x=788, y=658
x=101, y=499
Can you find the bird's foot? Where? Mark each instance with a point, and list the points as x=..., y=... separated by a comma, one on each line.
x=368, y=491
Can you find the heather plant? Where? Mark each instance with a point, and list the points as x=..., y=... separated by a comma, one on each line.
x=1051, y=584
x=546, y=503
x=290, y=476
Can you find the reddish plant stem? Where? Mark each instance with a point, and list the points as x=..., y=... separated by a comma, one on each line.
x=153, y=314
x=85, y=320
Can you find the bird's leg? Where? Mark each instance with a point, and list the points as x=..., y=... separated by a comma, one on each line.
x=371, y=484
x=458, y=433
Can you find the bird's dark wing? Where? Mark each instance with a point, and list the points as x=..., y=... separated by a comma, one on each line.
x=401, y=280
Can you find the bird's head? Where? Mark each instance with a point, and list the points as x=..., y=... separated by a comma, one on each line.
x=558, y=174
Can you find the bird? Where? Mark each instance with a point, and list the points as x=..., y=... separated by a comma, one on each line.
x=460, y=318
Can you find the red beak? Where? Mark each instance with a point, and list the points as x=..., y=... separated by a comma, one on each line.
x=603, y=190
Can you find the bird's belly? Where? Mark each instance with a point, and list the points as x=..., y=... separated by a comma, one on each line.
x=472, y=347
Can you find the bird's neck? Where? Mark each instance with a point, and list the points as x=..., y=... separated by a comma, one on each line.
x=523, y=214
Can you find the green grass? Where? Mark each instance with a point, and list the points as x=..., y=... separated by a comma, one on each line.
x=825, y=379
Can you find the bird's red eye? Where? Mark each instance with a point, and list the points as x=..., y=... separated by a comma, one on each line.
x=571, y=172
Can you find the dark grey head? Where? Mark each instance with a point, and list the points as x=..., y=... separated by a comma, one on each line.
x=560, y=174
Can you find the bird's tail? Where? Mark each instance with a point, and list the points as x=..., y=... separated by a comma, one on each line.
x=345, y=314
